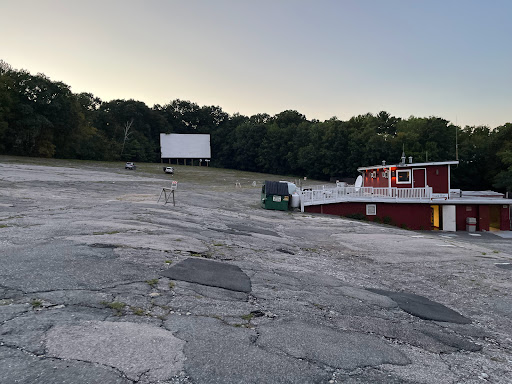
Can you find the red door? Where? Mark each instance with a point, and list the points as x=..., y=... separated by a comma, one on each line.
x=418, y=178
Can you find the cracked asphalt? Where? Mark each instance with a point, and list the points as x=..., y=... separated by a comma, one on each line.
x=99, y=283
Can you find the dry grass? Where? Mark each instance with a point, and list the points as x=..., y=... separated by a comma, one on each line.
x=216, y=179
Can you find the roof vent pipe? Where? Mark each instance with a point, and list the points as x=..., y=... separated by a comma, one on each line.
x=383, y=162
x=410, y=159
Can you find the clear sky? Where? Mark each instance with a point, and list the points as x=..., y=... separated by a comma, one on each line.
x=324, y=58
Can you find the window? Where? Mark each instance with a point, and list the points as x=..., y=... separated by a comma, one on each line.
x=403, y=177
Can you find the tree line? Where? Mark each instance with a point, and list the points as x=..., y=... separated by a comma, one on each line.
x=43, y=118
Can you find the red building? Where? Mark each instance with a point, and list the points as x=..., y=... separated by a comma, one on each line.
x=411, y=195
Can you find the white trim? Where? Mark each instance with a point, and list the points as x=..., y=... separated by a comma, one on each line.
x=414, y=169
x=409, y=181
x=408, y=165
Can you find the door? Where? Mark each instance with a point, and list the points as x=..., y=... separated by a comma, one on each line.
x=494, y=217
x=418, y=178
x=435, y=217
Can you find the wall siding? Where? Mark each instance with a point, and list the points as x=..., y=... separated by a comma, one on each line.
x=414, y=216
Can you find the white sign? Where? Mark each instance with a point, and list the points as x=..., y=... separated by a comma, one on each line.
x=174, y=185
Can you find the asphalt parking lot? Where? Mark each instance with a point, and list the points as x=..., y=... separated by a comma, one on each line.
x=99, y=283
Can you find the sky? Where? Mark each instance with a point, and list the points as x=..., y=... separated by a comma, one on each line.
x=324, y=58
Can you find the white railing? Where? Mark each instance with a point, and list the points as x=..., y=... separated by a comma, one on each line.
x=321, y=194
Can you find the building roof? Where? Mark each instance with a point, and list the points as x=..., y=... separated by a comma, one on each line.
x=477, y=194
x=409, y=165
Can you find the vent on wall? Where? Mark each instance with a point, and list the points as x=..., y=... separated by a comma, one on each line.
x=371, y=209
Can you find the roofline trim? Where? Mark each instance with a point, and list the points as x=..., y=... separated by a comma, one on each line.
x=408, y=165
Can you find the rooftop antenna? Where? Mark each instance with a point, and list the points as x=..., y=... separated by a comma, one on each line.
x=456, y=140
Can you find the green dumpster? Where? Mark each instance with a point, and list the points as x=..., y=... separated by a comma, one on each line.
x=275, y=195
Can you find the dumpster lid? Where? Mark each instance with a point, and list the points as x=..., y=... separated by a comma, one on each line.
x=276, y=188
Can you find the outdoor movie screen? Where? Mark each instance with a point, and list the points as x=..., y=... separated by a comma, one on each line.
x=185, y=146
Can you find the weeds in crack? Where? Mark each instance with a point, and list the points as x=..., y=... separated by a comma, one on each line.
x=152, y=283
x=137, y=311
x=118, y=306
x=247, y=317
x=36, y=303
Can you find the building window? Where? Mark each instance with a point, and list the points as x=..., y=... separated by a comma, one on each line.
x=403, y=177
x=371, y=209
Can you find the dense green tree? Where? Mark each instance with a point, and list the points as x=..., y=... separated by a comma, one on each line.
x=41, y=117
x=502, y=144
x=476, y=160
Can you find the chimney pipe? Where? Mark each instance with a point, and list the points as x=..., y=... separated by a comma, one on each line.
x=383, y=162
x=410, y=159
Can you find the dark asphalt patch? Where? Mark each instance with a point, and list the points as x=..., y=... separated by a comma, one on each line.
x=285, y=251
x=504, y=265
x=211, y=273
x=423, y=308
x=101, y=245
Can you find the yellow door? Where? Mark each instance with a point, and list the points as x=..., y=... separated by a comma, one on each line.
x=434, y=216
x=494, y=217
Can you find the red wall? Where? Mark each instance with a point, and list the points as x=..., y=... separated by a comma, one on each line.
x=462, y=214
x=414, y=216
x=483, y=218
x=505, y=218
x=437, y=178
x=439, y=183
x=378, y=182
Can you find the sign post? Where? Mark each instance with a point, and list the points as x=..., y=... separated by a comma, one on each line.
x=168, y=192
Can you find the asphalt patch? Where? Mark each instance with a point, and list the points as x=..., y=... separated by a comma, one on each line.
x=423, y=308
x=210, y=273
